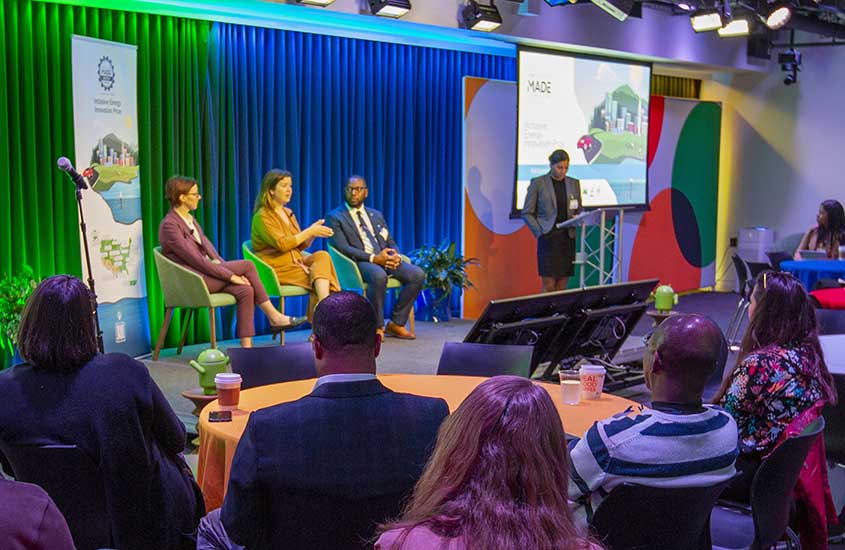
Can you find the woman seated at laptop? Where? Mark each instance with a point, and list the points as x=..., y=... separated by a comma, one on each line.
x=829, y=234
x=497, y=478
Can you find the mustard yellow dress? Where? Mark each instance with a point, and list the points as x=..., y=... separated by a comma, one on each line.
x=274, y=241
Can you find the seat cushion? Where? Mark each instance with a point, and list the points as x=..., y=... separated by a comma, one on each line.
x=222, y=299
x=830, y=298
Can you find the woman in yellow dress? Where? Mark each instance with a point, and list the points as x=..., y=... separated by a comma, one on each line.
x=278, y=240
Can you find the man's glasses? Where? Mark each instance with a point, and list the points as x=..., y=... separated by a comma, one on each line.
x=353, y=190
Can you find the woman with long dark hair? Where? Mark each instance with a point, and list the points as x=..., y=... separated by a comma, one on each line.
x=108, y=406
x=829, y=234
x=780, y=371
x=497, y=478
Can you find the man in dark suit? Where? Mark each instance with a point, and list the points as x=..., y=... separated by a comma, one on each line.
x=551, y=199
x=362, y=234
x=321, y=472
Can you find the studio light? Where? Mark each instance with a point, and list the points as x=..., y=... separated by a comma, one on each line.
x=778, y=15
x=683, y=6
x=390, y=8
x=321, y=3
x=619, y=9
x=706, y=20
x=737, y=27
x=480, y=17
x=790, y=63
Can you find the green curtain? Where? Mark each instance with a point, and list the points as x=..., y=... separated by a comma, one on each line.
x=38, y=224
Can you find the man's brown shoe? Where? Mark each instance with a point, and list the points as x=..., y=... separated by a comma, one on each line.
x=398, y=331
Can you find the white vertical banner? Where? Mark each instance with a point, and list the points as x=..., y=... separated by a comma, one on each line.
x=105, y=119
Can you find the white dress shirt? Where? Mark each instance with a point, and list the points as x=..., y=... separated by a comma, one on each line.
x=368, y=246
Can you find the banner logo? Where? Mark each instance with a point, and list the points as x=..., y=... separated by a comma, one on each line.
x=105, y=73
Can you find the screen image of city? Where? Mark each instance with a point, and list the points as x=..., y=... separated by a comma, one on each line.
x=596, y=110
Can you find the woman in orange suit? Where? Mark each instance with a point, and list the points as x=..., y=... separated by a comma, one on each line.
x=278, y=240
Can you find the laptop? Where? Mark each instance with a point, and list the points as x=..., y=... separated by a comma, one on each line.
x=812, y=254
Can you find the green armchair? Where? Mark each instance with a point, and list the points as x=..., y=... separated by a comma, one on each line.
x=349, y=276
x=185, y=289
x=271, y=281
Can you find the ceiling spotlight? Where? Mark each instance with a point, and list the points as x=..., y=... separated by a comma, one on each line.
x=685, y=7
x=390, y=8
x=619, y=9
x=480, y=17
x=706, y=20
x=737, y=27
x=790, y=63
x=779, y=15
x=321, y=3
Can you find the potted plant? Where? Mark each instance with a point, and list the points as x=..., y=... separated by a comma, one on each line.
x=444, y=270
x=15, y=288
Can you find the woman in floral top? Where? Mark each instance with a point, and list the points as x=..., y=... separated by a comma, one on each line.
x=780, y=371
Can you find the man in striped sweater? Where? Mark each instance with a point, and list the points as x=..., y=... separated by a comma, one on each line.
x=677, y=441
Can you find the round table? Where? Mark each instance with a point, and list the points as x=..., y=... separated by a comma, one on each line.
x=218, y=440
x=810, y=271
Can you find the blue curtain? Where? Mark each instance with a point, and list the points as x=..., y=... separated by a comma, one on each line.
x=326, y=107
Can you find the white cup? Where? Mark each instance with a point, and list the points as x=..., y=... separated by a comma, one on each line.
x=592, y=381
x=842, y=252
x=228, y=390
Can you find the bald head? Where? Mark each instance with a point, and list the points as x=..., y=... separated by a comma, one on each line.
x=682, y=354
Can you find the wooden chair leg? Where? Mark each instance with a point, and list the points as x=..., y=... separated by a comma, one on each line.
x=186, y=322
x=168, y=315
x=212, y=320
x=411, y=321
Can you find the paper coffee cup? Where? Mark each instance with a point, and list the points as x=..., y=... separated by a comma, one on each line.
x=592, y=381
x=228, y=390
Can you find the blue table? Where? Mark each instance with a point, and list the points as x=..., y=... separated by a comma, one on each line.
x=810, y=271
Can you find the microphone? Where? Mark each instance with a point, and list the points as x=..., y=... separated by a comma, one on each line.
x=65, y=166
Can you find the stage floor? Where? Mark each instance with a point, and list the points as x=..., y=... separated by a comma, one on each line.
x=173, y=374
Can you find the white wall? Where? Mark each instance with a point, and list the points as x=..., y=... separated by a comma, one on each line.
x=782, y=150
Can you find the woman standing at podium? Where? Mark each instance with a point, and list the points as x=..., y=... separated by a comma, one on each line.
x=551, y=199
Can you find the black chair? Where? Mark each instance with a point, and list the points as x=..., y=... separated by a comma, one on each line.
x=745, y=284
x=762, y=524
x=775, y=258
x=755, y=268
x=657, y=518
x=715, y=381
x=273, y=364
x=831, y=321
x=485, y=359
x=834, y=419
x=73, y=481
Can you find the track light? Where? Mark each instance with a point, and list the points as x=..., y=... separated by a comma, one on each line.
x=778, y=15
x=390, y=8
x=619, y=9
x=480, y=17
x=706, y=20
x=737, y=27
x=790, y=63
x=321, y=3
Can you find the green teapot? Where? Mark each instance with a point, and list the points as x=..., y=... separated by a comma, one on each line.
x=664, y=298
x=209, y=363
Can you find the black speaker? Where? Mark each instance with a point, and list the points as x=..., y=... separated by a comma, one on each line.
x=759, y=46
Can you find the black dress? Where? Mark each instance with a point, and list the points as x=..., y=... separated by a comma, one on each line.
x=556, y=249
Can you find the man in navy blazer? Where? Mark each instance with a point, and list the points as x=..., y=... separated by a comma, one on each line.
x=323, y=471
x=362, y=234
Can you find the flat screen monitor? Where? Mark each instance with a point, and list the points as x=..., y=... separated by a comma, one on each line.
x=594, y=108
x=565, y=326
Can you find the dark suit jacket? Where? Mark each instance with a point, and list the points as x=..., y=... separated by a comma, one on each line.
x=115, y=413
x=346, y=238
x=320, y=472
x=540, y=208
x=179, y=245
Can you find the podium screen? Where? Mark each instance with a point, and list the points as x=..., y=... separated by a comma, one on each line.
x=594, y=108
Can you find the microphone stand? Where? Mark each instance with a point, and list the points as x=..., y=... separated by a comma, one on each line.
x=93, y=293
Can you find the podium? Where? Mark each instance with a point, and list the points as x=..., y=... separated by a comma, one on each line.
x=594, y=258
